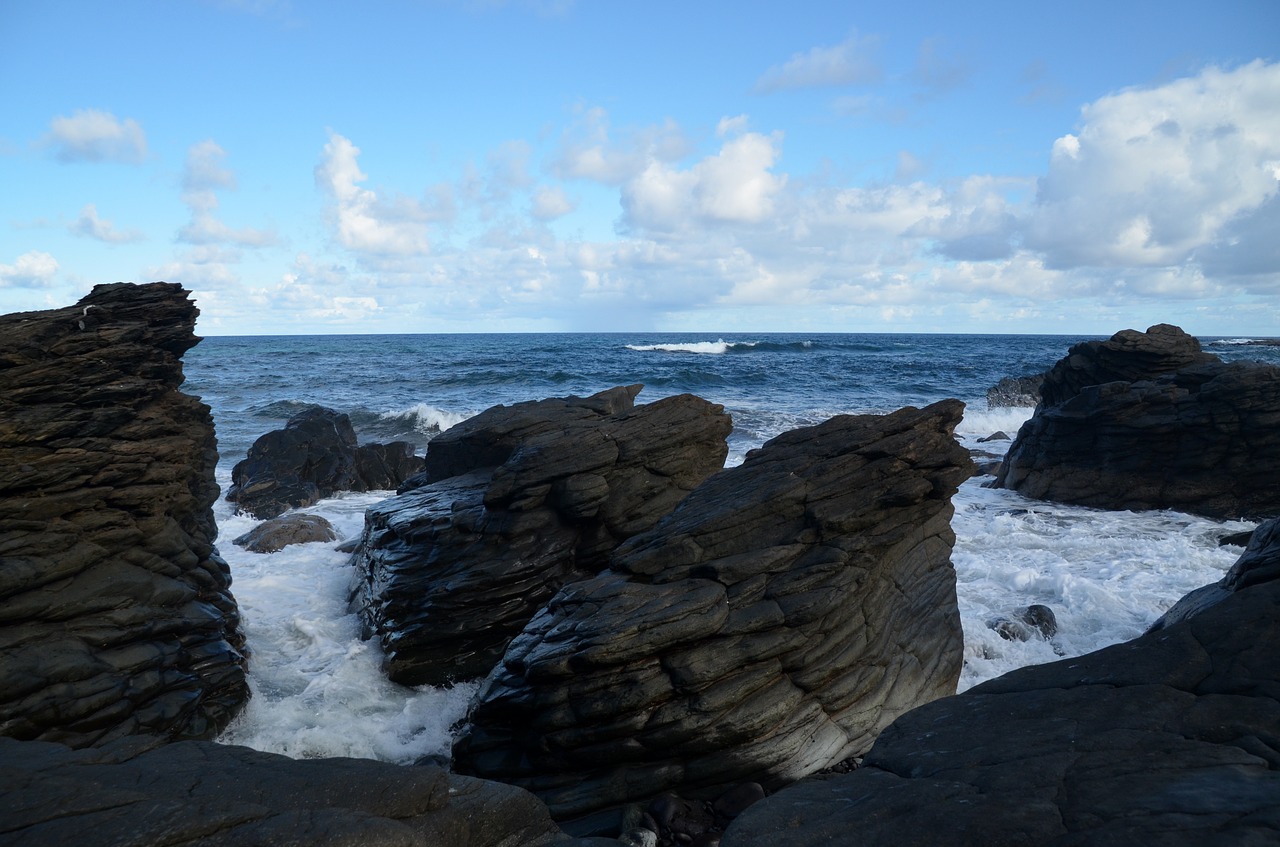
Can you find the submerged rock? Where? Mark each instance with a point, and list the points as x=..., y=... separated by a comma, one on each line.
x=313, y=457
x=1167, y=739
x=117, y=612
x=278, y=533
x=1147, y=421
x=514, y=503
x=773, y=624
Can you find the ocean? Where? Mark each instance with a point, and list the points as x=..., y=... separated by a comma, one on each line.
x=317, y=688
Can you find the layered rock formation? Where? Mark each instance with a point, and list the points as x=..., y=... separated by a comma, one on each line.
x=315, y=456
x=115, y=610
x=1172, y=739
x=513, y=503
x=773, y=624
x=1147, y=421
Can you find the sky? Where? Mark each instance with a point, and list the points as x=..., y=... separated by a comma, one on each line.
x=599, y=165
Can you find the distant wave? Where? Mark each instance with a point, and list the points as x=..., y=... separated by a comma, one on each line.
x=720, y=347
x=1232, y=342
x=281, y=409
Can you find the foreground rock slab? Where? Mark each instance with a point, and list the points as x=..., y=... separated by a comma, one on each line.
x=115, y=610
x=1172, y=738
x=772, y=625
x=1148, y=421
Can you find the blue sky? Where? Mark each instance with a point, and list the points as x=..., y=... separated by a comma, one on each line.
x=546, y=165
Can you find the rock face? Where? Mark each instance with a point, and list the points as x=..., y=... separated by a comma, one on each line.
x=513, y=503
x=313, y=457
x=1172, y=738
x=1015, y=391
x=1147, y=421
x=773, y=624
x=115, y=610
x=278, y=533
x=134, y=792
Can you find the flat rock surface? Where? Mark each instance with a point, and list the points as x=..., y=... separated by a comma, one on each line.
x=116, y=614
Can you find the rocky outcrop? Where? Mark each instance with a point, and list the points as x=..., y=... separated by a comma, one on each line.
x=313, y=457
x=1147, y=421
x=278, y=533
x=1172, y=739
x=115, y=610
x=137, y=792
x=773, y=624
x=1015, y=391
x=514, y=503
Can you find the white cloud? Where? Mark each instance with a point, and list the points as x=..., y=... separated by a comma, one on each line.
x=852, y=61
x=588, y=149
x=91, y=135
x=202, y=176
x=34, y=269
x=364, y=222
x=89, y=225
x=550, y=203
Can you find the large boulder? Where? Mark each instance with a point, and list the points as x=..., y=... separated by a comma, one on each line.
x=115, y=610
x=1147, y=421
x=314, y=456
x=1172, y=738
x=139, y=792
x=786, y=612
x=514, y=503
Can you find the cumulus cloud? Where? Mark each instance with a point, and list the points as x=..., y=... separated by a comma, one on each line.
x=851, y=62
x=89, y=225
x=591, y=150
x=34, y=269
x=202, y=177
x=364, y=221
x=91, y=135
x=550, y=203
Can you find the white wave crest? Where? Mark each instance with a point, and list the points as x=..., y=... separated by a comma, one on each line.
x=705, y=347
x=1231, y=342
x=979, y=423
x=424, y=418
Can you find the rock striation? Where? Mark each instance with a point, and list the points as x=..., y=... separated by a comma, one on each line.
x=1148, y=421
x=513, y=503
x=116, y=615
x=1172, y=738
x=772, y=625
x=315, y=456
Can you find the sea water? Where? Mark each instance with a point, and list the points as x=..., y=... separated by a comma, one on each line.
x=317, y=687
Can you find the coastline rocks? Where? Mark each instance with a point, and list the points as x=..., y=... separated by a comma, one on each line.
x=773, y=624
x=1015, y=391
x=116, y=615
x=313, y=457
x=139, y=791
x=1147, y=421
x=1171, y=738
x=278, y=533
x=513, y=503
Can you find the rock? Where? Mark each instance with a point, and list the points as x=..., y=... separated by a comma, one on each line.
x=1167, y=739
x=1236, y=539
x=1015, y=391
x=773, y=624
x=137, y=791
x=313, y=457
x=278, y=533
x=999, y=435
x=1167, y=427
x=117, y=612
x=454, y=567
x=1034, y=621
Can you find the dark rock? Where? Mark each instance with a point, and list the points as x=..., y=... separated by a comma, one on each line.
x=1236, y=539
x=452, y=568
x=995, y=436
x=199, y=793
x=278, y=533
x=785, y=612
x=1015, y=392
x=1146, y=421
x=1034, y=621
x=988, y=468
x=1172, y=738
x=313, y=457
x=737, y=800
x=116, y=615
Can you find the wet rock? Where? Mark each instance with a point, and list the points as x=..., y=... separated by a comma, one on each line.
x=999, y=435
x=1167, y=739
x=1034, y=621
x=315, y=456
x=1147, y=421
x=514, y=503
x=1236, y=539
x=773, y=624
x=117, y=612
x=278, y=533
x=1015, y=392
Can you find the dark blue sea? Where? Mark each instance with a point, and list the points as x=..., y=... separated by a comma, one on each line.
x=318, y=688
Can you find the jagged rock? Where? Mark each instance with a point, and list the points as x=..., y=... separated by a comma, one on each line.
x=1146, y=421
x=1034, y=621
x=313, y=457
x=999, y=435
x=513, y=503
x=1015, y=391
x=785, y=612
x=278, y=533
x=115, y=610
x=1172, y=738
x=138, y=792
